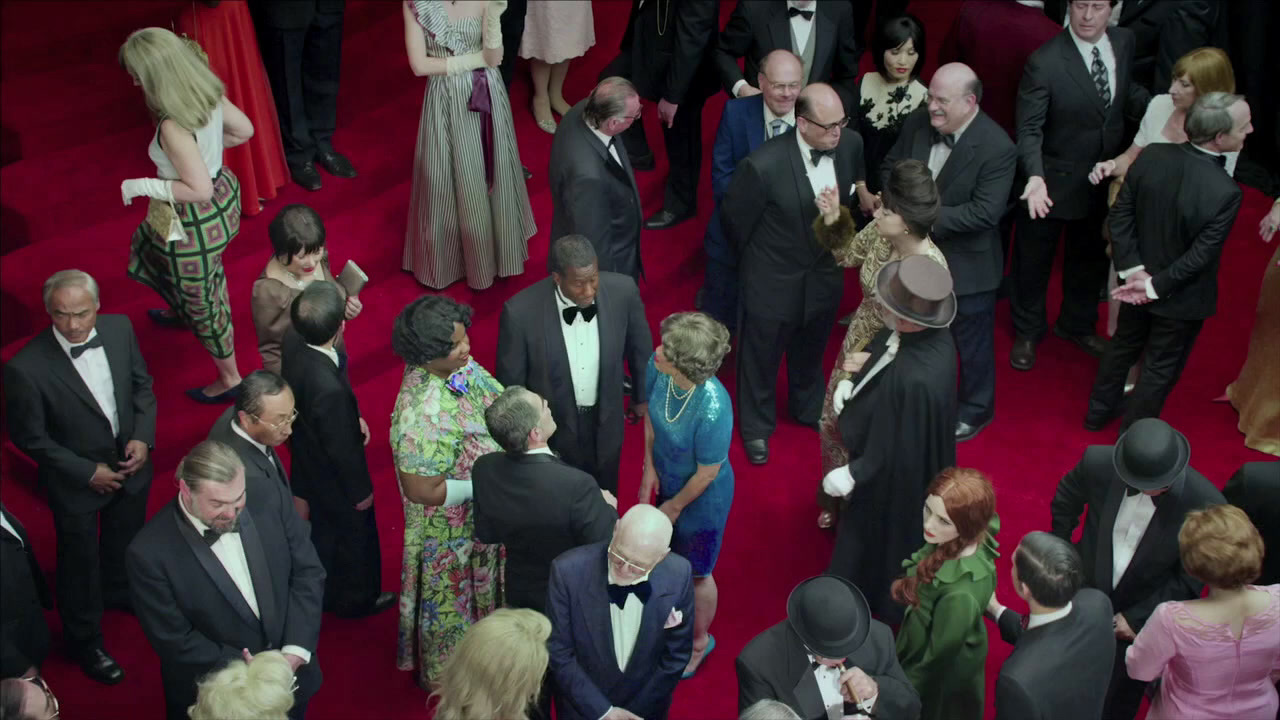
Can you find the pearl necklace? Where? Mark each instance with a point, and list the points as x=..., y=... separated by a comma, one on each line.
x=671, y=384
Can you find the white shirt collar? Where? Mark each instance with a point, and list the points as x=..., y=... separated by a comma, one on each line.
x=235, y=428
x=769, y=117
x=1201, y=148
x=1086, y=48
x=200, y=527
x=66, y=344
x=333, y=354
x=606, y=139
x=544, y=450
x=1046, y=618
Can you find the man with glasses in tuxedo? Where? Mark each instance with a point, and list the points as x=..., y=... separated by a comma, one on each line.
x=260, y=421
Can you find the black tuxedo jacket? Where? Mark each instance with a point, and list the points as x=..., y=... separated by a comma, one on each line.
x=329, y=464
x=974, y=187
x=1058, y=671
x=758, y=27
x=670, y=47
x=1155, y=573
x=54, y=419
x=1255, y=488
x=767, y=213
x=538, y=507
x=261, y=476
x=594, y=196
x=195, y=617
x=1173, y=214
x=24, y=635
x=531, y=353
x=775, y=666
x=292, y=14
x=583, y=667
x=1063, y=127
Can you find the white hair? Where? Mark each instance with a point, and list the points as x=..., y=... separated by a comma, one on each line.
x=70, y=278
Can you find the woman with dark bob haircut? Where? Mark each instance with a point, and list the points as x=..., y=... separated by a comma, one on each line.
x=448, y=581
x=1217, y=657
x=900, y=228
x=888, y=95
x=298, y=258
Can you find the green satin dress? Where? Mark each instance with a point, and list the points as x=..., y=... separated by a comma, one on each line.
x=942, y=644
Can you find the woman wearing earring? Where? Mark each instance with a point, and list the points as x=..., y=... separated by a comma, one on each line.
x=942, y=643
x=687, y=432
x=901, y=228
x=555, y=32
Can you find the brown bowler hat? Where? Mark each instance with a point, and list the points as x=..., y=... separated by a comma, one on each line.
x=918, y=289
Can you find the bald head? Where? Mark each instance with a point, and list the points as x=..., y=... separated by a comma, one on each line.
x=781, y=77
x=818, y=108
x=954, y=94
x=641, y=539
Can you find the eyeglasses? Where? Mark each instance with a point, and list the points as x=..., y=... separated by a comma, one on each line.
x=638, y=569
x=280, y=425
x=792, y=86
x=842, y=122
x=51, y=700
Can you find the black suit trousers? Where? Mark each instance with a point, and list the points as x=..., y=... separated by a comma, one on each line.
x=974, y=332
x=512, y=22
x=683, y=141
x=91, y=548
x=1124, y=694
x=720, y=292
x=762, y=342
x=1084, y=274
x=346, y=540
x=585, y=453
x=1167, y=342
x=303, y=66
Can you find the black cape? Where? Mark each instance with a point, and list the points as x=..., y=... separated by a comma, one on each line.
x=900, y=432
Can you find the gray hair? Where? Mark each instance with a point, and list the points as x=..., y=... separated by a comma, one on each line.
x=569, y=252
x=695, y=343
x=511, y=418
x=1208, y=117
x=608, y=100
x=70, y=278
x=254, y=387
x=769, y=709
x=209, y=462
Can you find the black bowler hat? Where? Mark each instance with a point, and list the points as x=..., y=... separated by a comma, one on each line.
x=830, y=615
x=1151, y=455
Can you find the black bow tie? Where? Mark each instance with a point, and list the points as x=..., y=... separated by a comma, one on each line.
x=1155, y=499
x=948, y=140
x=211, y=536
x=618, y=593
x=794, y=11
x=78, y=350
x=815, y=155
x=569, y=313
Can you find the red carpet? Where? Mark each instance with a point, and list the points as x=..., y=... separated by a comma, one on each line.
x=74, y=127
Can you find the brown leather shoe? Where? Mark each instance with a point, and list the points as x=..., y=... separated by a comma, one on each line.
x=1023, y=354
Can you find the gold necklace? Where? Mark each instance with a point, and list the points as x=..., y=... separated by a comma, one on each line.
x=671, y=383
x=662, y=28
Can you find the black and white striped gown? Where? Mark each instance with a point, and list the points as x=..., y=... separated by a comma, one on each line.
x=456, y=226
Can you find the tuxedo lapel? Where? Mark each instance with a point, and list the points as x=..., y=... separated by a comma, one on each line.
x=960, y=156
x=117, y=351
x=1103, y=563
x=804, y=190
x=652, y=622
x=1080, y=73
x=260, y=572
x=824, y=38
x=606, y=330
x=60, y=366
x=921, y=142
x=19, y=533
x=213, y=568
x=1164, y=523
x=780, y=31
x=624, y=172
x=595, y=614
x=557, y=355
x=808, y=696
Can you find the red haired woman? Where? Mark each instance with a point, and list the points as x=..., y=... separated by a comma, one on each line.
x=942, y=644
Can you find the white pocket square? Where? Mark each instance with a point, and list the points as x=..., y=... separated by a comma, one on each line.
x=674, y=619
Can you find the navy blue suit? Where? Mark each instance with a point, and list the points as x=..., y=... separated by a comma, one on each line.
x=583, y=666
x=741, y=131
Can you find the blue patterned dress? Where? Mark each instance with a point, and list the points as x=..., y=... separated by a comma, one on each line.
x=700, y=435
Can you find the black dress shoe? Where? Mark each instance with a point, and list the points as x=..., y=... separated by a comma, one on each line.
x=336, y=164
x=165, y=319
x=665, y=219
x=1092, y=344
x=380, y=603
x=528, y=174
x=223, y=398
x=1023, y=354
x=965, y=431
x=642, y=162
x=306, y=176
x=99, y=666
x=1094, y=422
x=757, y=451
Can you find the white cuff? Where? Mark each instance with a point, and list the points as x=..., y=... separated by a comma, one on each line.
x=839, y=482
x=300, y=652
x=1124, y=274
x=738, y=86
x=606, y=713
x=456, y=492
x=1151, y=290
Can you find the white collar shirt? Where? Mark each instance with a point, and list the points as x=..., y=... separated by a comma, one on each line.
x=1104, y=50
x=832, y=699
x=1035, y=621
x=271, y=456
x=95, y=371
x=329, y=351
x=625, y=622
x=4, y=522
x=582, y=346
x=822, y=175
x=1132, y=520
x=939, y=153
x=544, y=450
x=789, y=121
x=609, y=145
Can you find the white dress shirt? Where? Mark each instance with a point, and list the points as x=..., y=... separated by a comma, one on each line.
x=821, y=176
x=4, y=523
x=832, y=699
x=939, y=152
x=769, y=117
x=625, y=622
x=608, y=142
x=1035, y=621
x=333, y=354
x=582, y=345
x=801, y=31
x=96, y=373
x=229, y=550
x=1132, y=520
x=1104, y=49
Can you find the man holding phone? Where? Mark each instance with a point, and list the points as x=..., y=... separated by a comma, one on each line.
x=80, y=405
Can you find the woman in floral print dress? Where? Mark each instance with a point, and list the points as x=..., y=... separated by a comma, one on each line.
x=448, y=581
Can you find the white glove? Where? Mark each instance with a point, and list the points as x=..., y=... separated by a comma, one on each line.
x=150, y=187
x=458, y=64
x=839, y=482
x=456, y=492
x=843, y=391
x=491, y=35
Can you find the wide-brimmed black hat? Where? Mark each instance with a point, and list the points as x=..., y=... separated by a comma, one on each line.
x=830, y=615
x=918, y=289
x=1151, y=455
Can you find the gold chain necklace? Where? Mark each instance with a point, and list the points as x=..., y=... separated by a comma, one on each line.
x=671, y=383
x=662, y=27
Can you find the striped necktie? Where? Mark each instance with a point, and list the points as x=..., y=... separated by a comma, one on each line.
x=777, y=127
x=1100, y=77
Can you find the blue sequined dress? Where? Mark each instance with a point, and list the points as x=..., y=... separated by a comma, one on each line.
x=683, y=440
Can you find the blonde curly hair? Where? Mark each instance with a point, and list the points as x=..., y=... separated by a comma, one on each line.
x=496, y=670
x=176, y=81
x=261, y=689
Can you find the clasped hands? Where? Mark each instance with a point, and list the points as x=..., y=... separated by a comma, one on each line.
x=1134, y=290
x=105, y=480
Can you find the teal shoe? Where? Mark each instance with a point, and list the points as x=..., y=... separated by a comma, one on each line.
x=711, y=645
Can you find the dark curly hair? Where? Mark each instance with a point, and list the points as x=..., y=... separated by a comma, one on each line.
x=912, y=194
x=424, y=329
